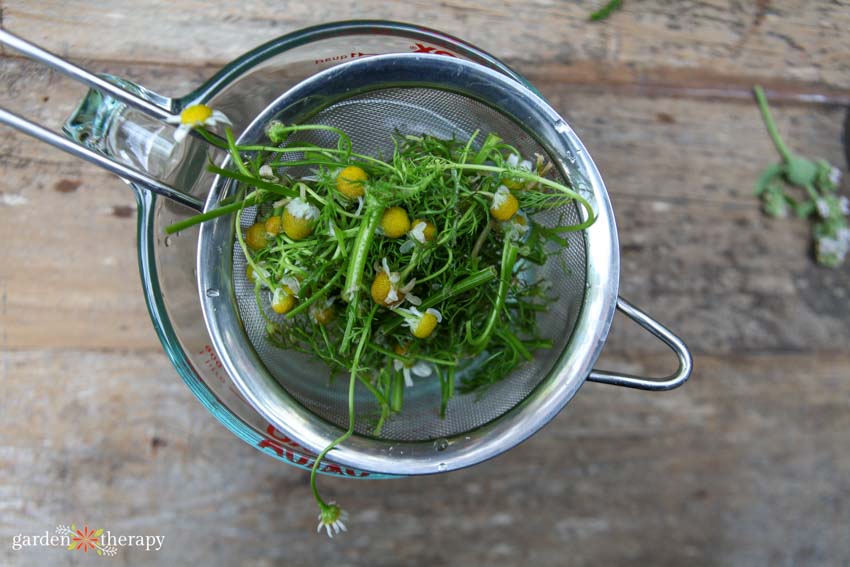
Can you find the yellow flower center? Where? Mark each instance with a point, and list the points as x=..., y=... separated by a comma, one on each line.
x=350, y=180
x=504, y=205
x=273, y=225
x=295, y=227
x=195, y=115
x=395, y=222
x=381, y=287
x=426, y=326
x=255, y=236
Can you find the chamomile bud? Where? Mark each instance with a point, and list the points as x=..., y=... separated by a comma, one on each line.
x=255, y=236
x=350, y=182
x=395, y=222
x=517, y=183
x=504, y=205
x=422, y=231
x=283, y=299
x=273, y=225
x=298, y=219
x=323, y=312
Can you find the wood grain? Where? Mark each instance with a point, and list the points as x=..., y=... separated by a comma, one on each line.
x=747, y=464
x=649, y=42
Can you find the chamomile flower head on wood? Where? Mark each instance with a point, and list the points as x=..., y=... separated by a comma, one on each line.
x=332, y=518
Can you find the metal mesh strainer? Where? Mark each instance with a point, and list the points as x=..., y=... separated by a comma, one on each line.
x=370, y=99
x=369, y=119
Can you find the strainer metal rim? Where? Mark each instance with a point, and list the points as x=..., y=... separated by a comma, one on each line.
x=525, y=107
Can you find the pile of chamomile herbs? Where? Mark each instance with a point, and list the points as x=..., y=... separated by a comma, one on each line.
x=398, y=269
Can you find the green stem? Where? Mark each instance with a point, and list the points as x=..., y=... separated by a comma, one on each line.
x=605, y=10
x=352, y=381
x=509, y=254
x=360, y=252
x=217, y=212
x=761, y=99
x=520, y=174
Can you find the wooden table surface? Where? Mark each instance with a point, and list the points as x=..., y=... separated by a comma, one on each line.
x=747, y=464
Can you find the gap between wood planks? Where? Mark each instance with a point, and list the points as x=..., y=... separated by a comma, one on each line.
x=593, y=76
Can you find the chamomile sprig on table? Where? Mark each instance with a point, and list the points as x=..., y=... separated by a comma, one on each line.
x=807, y=188
x=396, y=270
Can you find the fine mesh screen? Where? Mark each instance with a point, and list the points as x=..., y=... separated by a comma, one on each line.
x=370, y=120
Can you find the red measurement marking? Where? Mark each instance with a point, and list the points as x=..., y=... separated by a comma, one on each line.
x=278, y=443
x=210, y=361
x=422, y=48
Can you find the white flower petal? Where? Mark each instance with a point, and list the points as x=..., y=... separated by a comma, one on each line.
x=421, y=369
x=173, y=119
x=181, y=132
x=219, y=116
x=408, y=380
x=435, y=313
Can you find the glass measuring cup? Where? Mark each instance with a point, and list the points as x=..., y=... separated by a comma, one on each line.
x=111, y=127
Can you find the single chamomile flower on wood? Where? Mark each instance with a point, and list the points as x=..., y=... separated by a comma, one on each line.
x=194, y=116
x=806, y=187
x=332, y=518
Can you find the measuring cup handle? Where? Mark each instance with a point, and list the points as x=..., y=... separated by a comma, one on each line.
x=666, y=336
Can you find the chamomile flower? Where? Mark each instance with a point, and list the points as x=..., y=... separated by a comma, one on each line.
x=524, y=165
x=394, y=222
x=285, y=296
x=298, y=217
x=323, y=312
x=421, y=325
x=418, y=368
x=504, y=205
x=518, y=226
x=194, y=116
x=266, y=172
x=332, y=518
x=255, y=236
x=422, y=231
x=385, y=288
x=350, y=182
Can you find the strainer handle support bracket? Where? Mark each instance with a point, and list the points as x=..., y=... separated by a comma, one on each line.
x=666, y=336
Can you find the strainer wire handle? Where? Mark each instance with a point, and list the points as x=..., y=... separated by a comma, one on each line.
x=91, y=80
x=666, y=336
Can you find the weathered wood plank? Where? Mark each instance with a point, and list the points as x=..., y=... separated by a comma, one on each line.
x=746, y=465
x=696, y=250
x=645, y=42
